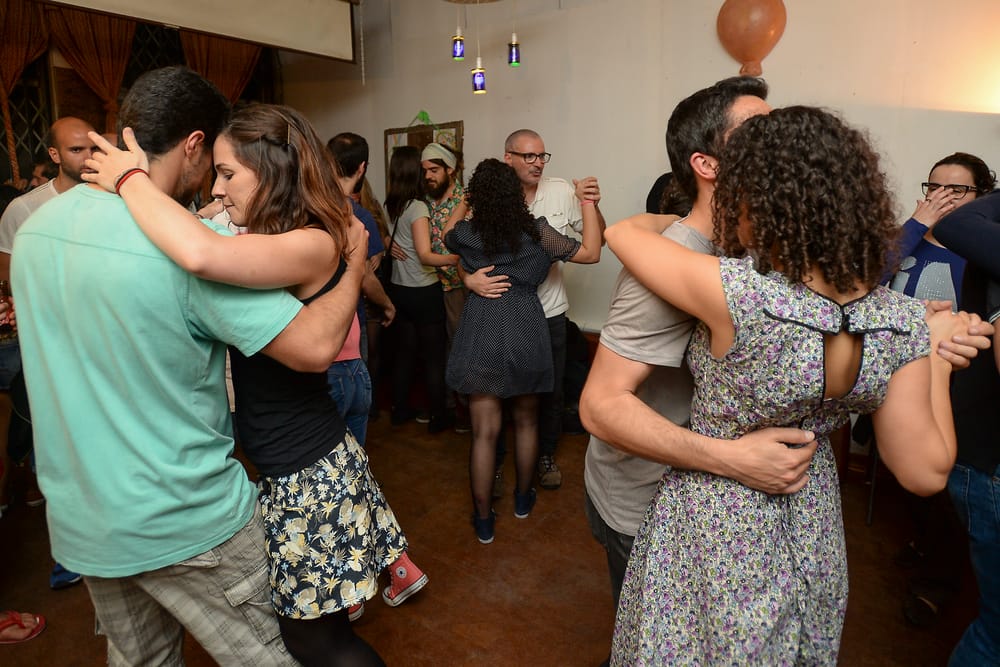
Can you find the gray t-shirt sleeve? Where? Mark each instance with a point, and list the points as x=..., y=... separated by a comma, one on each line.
x=643, y=327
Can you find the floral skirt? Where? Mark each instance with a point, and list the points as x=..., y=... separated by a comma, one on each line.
x=330, y=532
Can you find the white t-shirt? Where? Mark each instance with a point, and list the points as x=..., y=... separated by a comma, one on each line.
x=643, y=327
x=18, y=211
x=411, y=273
x=556, y=201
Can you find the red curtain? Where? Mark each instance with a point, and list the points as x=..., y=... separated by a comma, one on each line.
x=228, y=63
x=98, y=47
x=23, y=38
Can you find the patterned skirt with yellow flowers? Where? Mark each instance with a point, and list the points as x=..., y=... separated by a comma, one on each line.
x=329, y=534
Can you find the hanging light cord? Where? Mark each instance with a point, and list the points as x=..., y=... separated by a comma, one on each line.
x=361, y=21
x=477, y=29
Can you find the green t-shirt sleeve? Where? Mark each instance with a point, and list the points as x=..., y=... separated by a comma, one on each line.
x=245, y=318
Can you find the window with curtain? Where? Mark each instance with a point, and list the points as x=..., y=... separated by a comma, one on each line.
x=31, y=115
x=33, y=107
x=154, y=46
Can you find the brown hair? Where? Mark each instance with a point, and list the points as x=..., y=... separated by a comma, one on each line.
x=297, y=176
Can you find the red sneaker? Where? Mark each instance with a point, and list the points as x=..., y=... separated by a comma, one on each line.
x=356, y=612
x=406, y=580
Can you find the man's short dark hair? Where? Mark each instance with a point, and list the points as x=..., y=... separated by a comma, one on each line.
x=699, y=124
x=349, y=150
x=164, y=106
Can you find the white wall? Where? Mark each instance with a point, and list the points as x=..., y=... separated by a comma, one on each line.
x=600, y=78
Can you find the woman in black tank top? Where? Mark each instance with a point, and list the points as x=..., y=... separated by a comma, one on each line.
x=330, y=531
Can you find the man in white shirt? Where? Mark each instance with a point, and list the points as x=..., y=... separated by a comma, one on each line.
x=69, y=147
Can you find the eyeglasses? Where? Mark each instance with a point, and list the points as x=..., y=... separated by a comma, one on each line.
x=531, y=157
x=957, y=190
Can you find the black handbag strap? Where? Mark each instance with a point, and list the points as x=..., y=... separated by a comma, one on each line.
x=392, y=237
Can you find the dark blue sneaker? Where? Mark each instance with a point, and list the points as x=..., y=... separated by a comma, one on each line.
x=63, y=578
x=484, y=527
x=523, y=502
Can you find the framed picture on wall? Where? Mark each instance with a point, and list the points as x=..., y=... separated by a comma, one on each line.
x=448, y=134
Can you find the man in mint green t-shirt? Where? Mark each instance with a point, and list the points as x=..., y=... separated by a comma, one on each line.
x=124, y=358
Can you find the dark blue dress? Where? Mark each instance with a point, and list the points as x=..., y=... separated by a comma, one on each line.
x=502, y=346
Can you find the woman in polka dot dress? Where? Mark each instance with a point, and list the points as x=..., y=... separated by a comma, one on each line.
x=501, y=348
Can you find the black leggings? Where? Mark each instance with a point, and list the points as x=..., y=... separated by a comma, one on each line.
x=327, y=641
x=419, y=333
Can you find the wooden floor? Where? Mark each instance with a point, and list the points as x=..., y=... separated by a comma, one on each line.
x=538, y=595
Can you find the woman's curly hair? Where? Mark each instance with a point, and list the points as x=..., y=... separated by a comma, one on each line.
x=499, y=213
x=814, y=194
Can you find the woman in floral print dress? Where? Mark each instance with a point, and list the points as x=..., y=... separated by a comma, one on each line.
x=721, y=574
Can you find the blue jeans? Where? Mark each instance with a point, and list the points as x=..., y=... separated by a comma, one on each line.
x=351, y=390
x=976, y=495
x=617, y=546
x=10, y=362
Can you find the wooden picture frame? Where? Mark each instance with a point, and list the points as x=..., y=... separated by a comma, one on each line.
x=449, y=134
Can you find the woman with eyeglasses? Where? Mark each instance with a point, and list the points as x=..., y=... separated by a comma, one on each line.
x=928, y=270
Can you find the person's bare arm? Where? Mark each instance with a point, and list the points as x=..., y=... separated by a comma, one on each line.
x=914, y=427
x=687, y=279
x=421, y=230
x=588, y=189
x=593, y=235
x=965, y=345
x=610, y=410
x=249, y=260
x=313, y=339
x=372, y=288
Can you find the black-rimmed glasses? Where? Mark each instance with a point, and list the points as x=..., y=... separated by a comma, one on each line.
x=957, y=190
x=531, y=157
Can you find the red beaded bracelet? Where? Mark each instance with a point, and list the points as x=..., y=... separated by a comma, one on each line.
x=125, y=175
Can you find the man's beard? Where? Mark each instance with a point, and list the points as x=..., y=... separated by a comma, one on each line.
x=436, y=191
x=73, y=175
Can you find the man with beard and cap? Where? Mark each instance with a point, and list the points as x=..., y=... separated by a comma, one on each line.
x=444, y=196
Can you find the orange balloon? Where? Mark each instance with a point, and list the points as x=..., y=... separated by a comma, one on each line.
x=749, y=29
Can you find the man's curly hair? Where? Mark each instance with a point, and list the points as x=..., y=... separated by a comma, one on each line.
x=814, y=194
x=499, y=213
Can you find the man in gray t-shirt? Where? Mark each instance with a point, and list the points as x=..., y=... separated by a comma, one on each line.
x=638, y=393
x=643, y=328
